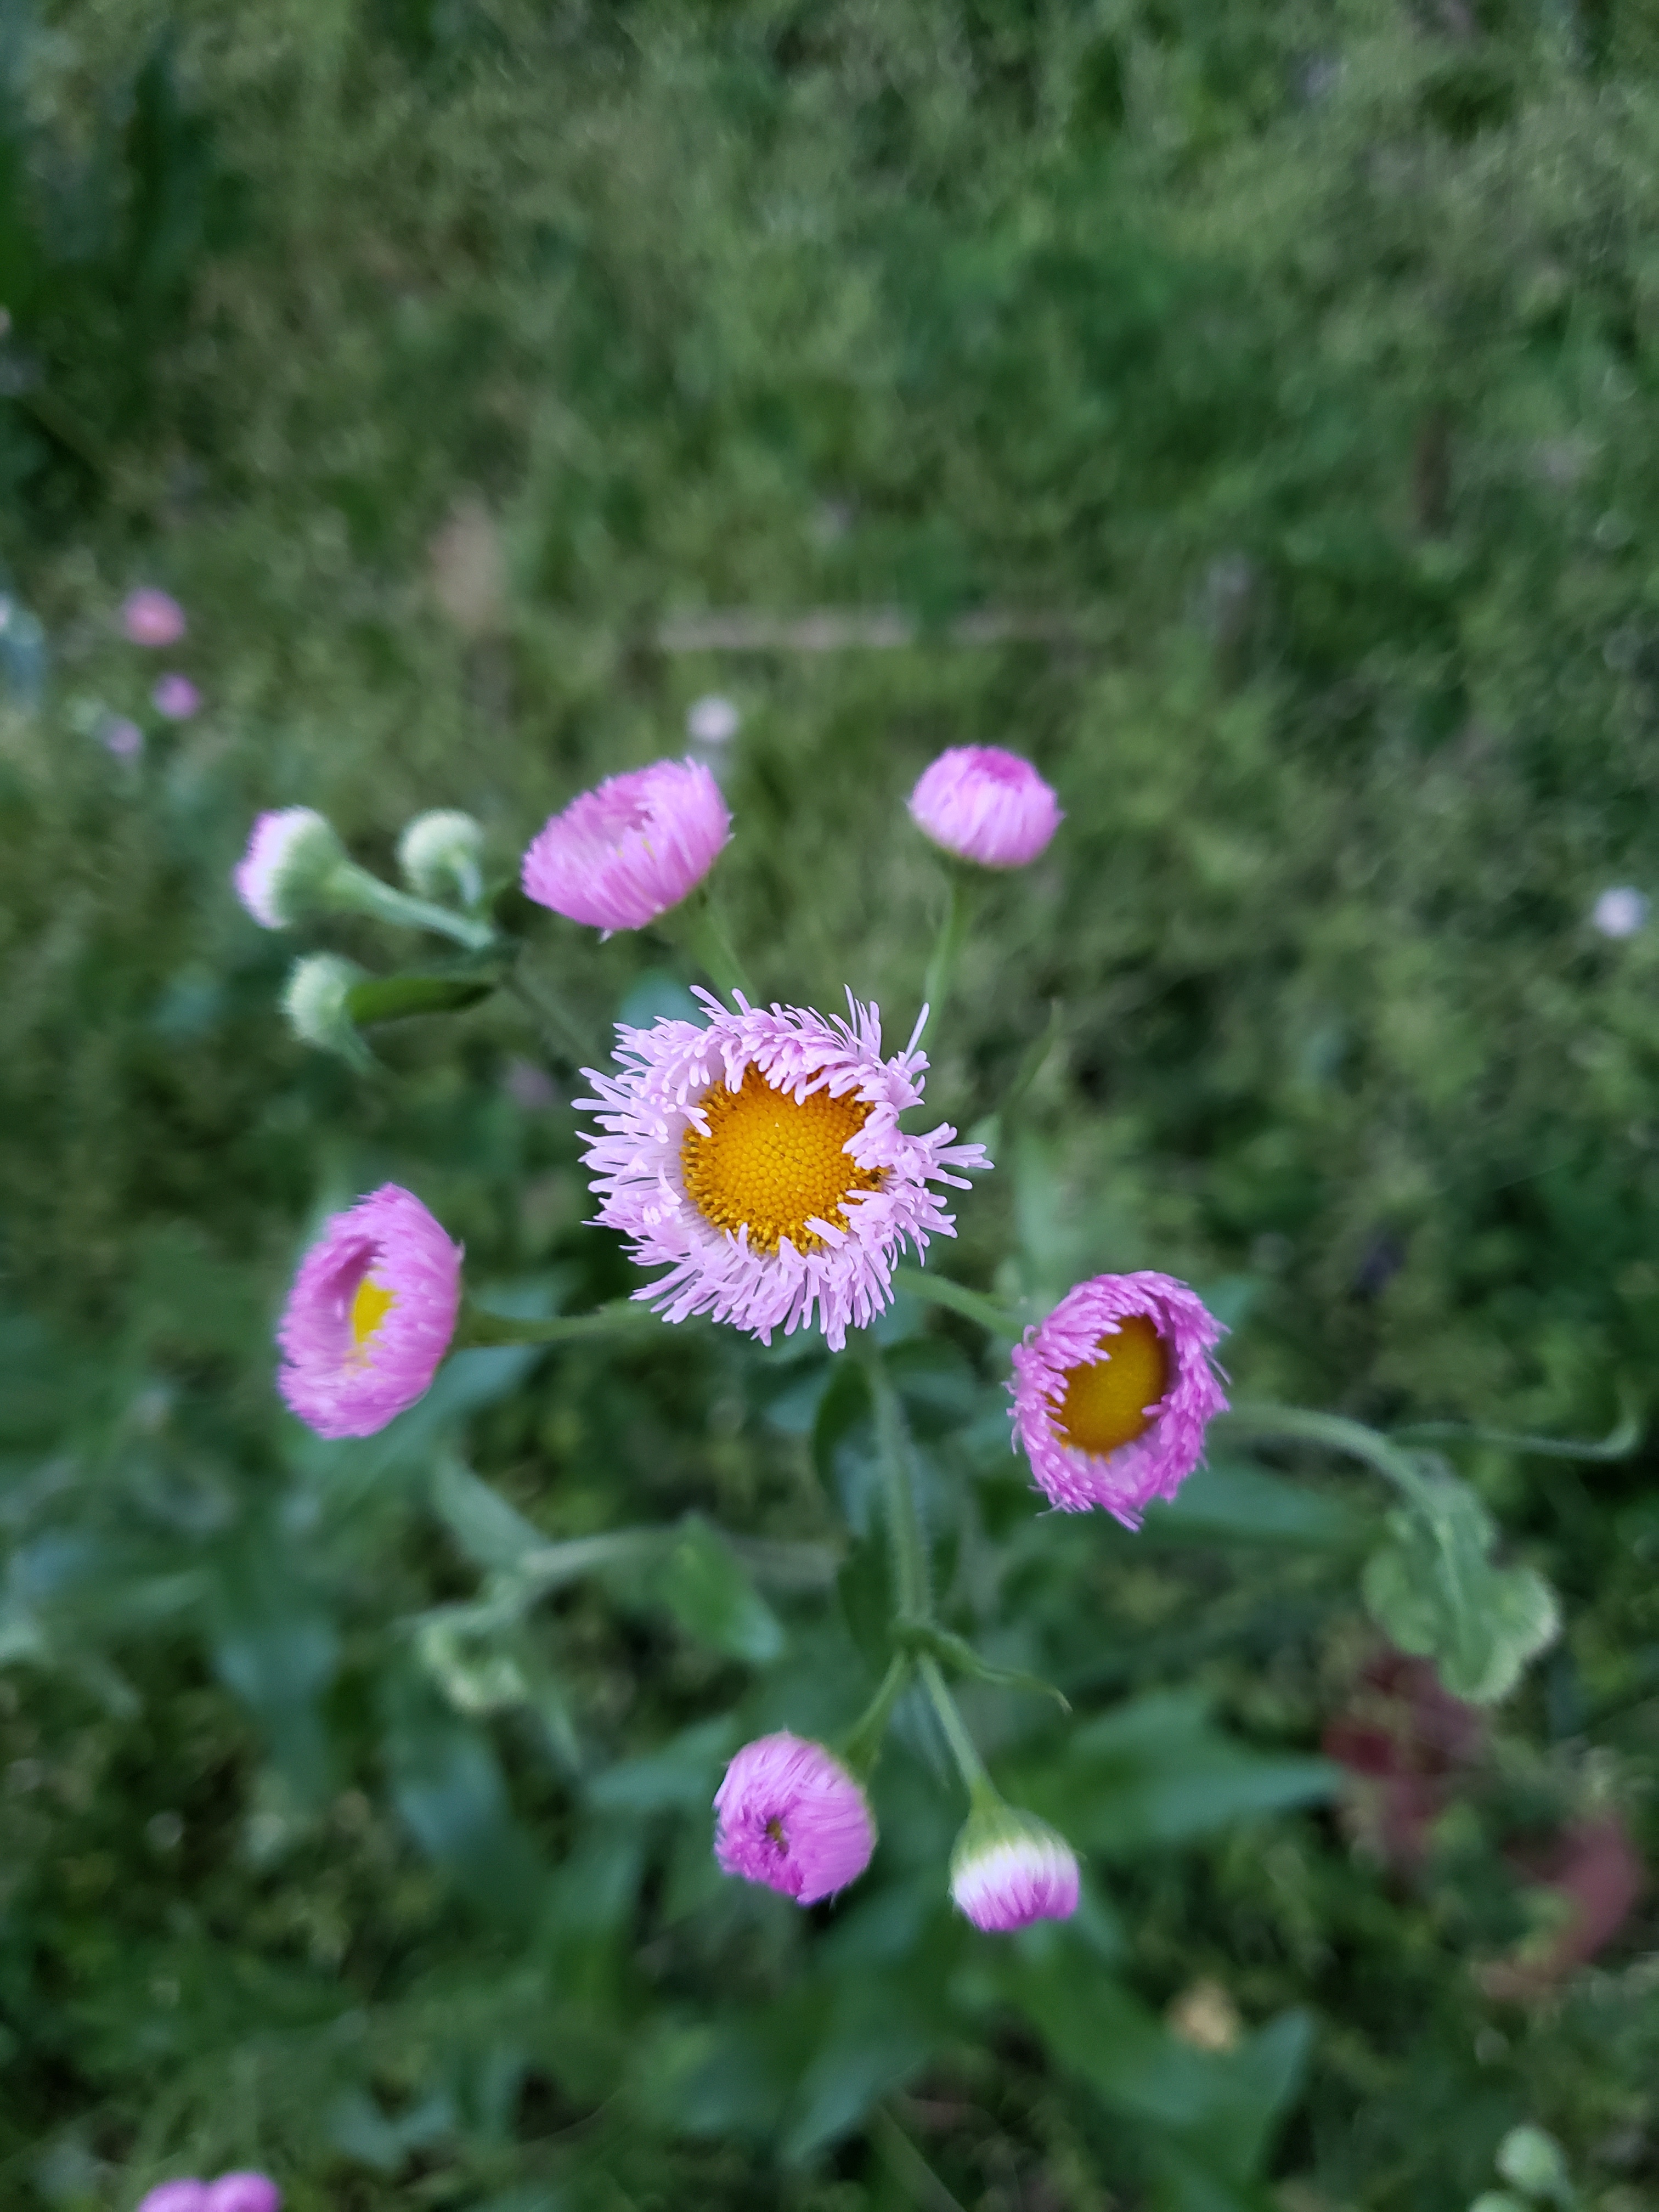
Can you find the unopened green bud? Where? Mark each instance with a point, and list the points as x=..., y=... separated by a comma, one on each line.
x=317, y=1002
x=293, y=862
x=439, y=853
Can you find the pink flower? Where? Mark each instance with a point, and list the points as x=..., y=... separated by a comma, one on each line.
x=1009, y=1869
x=792, y=1816
x=243, y=2192
x=152, y=617
x=290, y=853
x=1112, y=1393
x=619, y=856
x=985, y=804
x=175, y=697
x=370, y=1314
x=186, y=2195
x=760, y=1160
x=122, y=737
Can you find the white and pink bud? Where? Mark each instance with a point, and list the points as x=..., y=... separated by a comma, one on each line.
x=1009, y=1869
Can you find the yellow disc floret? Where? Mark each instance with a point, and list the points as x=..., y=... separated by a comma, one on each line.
x=368, y=1309
x=1106, y=1400
x=771, y=1165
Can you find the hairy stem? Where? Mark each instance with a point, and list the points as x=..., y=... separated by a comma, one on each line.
x=982, y=1790
x=962, y=897
x=622, y=1318
x=912, y=1587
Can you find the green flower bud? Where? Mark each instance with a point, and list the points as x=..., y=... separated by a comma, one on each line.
x=439, y=853
x=316, y=999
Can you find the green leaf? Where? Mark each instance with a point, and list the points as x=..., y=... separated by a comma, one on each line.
x=680, y=1777
x=957, y=1653
x=706, y=1589
x=1243, y=1504
x=393, y=998
x=484, y=1524
x=1154, y=1771
x=1435, y=1591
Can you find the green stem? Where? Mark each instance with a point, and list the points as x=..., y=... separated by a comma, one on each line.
x=354, y=889
x=962, y=897
x=475, y=1328
x=1338, y=1434
x=973, y=1305
x=982, y=1790
x=1619, y=1445
x=912, y=1587
x=711, y=946
x=862, y=1742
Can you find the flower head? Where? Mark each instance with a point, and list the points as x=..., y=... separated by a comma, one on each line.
x=986, y=804
x=370, y=1314
x=243, y=2192
x=1620, y=911
x=175, y=697
x=290, y=856
x=317, y=999
x=760, y=1159
x=792, y=1816
x=1009, y=1869
x=186, y=2196
x=620, y=855
x=152, y=617
x=1113, y=1392
x=439, y=854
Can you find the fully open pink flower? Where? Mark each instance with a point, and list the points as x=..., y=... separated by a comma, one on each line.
x=152, y=617
x=1113, y=1392
x=370, y=1314
x=1009, y=1869
x=620, y=855
x=792, y=1816
x=760, y=1160
x=985, y=804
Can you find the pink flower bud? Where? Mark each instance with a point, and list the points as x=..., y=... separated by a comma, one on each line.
x=1009, y=1869
x=986, y=805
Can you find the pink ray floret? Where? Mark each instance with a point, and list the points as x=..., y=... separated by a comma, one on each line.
x=790, y=1815
x=1156, y=1462
x=986, y=804
x=150, y=617
x=1012, y=1868
x=645, y=1110
x=344, y=1382
x=620, y=855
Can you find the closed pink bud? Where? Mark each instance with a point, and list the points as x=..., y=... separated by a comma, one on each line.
x=152, y=618
x=1009, y=1869
x=985, y=804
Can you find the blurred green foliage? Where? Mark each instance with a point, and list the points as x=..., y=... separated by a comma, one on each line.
x=1289, y=371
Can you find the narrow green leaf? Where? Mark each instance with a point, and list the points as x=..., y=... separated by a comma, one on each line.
x=393, y=998
x=708, y=1592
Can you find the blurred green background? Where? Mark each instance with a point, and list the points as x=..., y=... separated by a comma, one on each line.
x=1246, y=411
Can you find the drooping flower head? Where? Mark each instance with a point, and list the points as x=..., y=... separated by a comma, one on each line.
x=620, y=855
x=791, y=1815
x=760, y=1160
x=370, y=1314
x=152, y=617
x=986, y=804
x=1113, y=1392
x=439, y=853
x=291, y=855
x=1009, y=1869
x=175, y=698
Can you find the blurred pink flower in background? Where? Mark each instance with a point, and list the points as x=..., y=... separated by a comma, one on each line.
x=231, y=2192
x=150, y=617
x=712, y=720
x=122, y=737
x=176, y=697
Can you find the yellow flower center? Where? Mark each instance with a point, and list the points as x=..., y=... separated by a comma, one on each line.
x=771, y=1165
x=1106, y=1399
x=368, y=1309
